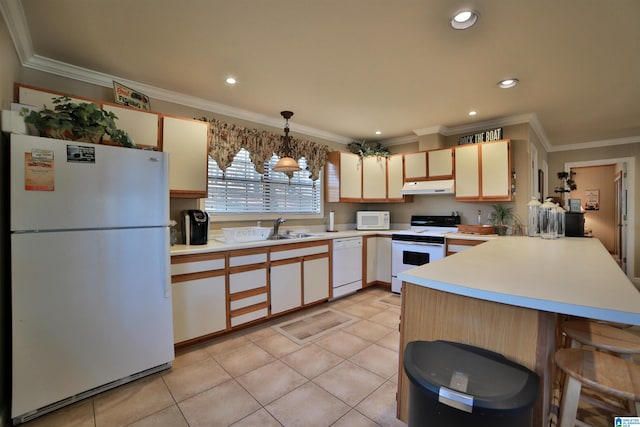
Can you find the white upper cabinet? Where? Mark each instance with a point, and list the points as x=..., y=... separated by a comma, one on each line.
x=343, y=174
x=374, y=178
x=142, y=126
x=483, y=171
x=496, y=170
x=351, y=178
x=39, y=97
x=415, y=166
x=186, y=141
x=440, y=164
x=395, y=177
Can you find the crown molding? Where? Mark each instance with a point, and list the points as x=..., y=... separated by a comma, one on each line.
x=400, y=140
x=596, y=144
x=18, y=28
x=432, y=130
x=62, y=69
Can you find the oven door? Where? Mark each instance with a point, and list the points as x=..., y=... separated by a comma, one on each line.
x=407, y=255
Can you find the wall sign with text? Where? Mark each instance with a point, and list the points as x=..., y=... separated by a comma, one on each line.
x=486, y=136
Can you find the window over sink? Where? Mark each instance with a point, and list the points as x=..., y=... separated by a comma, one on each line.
x=241, y=191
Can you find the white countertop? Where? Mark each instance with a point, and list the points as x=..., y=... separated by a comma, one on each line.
x=574, y=276
x=217, y=246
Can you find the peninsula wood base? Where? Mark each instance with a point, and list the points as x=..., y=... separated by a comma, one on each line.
x=525, y=336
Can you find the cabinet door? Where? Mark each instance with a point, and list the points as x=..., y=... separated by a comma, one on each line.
x=186, y=141
x=374, y=178
x=440, y=163
x=415, y=166
x=199, y=307
x=316, y=278
x=142, y=126
x=286, y=286
x=383, y=259
x=41, y=97
x=395, y=177
x=372, y=258
x=350, y=177
x=467, y=172
x=496, y=170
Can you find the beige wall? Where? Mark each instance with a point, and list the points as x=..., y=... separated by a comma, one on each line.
x=10, y=70
x=601, y=222
x=557, y=160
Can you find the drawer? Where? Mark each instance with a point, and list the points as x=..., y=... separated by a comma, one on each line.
x=299, y=252
x=246, y=280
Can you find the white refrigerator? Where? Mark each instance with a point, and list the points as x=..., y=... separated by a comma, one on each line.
x=90, y=281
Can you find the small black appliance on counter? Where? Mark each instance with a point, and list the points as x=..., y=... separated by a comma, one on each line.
x=195, y=227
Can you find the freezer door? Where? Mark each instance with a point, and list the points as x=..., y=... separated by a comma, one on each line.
x=88, y=308
x=86, y=186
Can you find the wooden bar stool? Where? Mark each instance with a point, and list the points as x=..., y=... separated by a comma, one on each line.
x=603, y=373
x=602, y=337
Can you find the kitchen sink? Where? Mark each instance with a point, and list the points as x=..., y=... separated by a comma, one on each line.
x=289, y=236
x=278, y=237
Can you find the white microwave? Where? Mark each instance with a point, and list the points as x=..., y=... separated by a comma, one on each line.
x=372, y=220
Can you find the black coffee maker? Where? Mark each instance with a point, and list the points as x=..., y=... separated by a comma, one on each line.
x=195, y=227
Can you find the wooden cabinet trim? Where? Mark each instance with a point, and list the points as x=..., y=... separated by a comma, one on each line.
x=205, y=256
x=248, y=267
x=248, y=293
x=249, y=309
x=178, y=278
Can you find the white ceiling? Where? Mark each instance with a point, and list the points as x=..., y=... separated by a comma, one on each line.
x=350, y=67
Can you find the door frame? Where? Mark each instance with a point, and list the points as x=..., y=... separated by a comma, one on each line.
x=628, y=231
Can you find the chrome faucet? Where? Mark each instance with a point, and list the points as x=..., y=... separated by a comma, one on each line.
x=276, y=225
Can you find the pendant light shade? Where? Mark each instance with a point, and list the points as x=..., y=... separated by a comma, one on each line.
x=286, y=162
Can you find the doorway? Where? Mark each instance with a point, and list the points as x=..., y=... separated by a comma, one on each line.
x=624, y=211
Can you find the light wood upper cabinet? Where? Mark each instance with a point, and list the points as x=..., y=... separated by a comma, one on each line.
x=351, y=178
x=186, y=141
x=428, y=165
x=142, y=126
x=343, y=176
x=395, y=177
x=483, y=171
x=415, y=166
x=440, y=164
x=40, y=97
x=496, y=170
x=374, y=178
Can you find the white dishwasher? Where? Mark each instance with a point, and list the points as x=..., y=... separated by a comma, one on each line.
x=347, y=266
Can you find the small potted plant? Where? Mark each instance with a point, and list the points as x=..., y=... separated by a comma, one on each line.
x=76, y=121
x=502, y=217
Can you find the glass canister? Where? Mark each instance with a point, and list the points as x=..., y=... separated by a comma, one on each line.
x=533, y=226
x=560, y=220
x=548, y=220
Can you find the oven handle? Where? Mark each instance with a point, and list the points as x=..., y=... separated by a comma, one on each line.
x=418, y=243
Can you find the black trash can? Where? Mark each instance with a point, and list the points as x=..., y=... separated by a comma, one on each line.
x=453, y=384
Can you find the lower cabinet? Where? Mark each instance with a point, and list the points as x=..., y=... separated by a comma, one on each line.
x=378, y=260
x=315, y=278
x=299, y=275
x=215, y=292
x=198, y=295
x=286, y=285
x=248, y=296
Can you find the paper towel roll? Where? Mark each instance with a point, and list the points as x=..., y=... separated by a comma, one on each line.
x=331, y=220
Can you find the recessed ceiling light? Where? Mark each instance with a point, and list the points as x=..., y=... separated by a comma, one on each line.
x=507, y=83
x=378, y=132
x=230, y=81
x=464, y=19
x=473, y=113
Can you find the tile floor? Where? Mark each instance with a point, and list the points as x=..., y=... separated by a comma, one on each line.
x=258, y=377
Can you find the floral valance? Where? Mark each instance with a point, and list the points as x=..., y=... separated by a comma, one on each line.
x=225, y=140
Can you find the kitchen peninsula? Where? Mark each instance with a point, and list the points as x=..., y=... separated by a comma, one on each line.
x=507, y=295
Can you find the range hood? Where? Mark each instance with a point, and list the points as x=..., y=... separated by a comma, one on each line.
x=444, y=186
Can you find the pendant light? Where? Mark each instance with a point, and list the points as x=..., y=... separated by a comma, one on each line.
x=286, y=163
